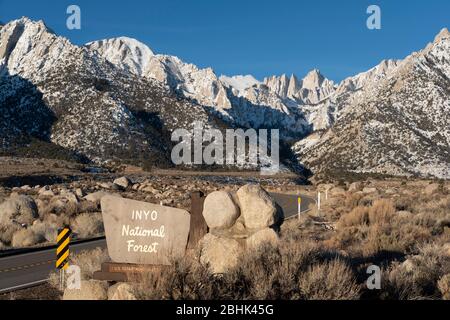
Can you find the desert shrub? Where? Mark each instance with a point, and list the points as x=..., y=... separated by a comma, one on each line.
x=332, y=280
x=87, y=225
x=26, y=238
x=369, y=230
x=419, y=276
x=381, y=212
x=444, y=286
x=267, y=273
x=400, y=237
x=357, y=217
x=88, y=261
x=87, y=207
x=7, y=231
x=352, y=200
x=47, y=231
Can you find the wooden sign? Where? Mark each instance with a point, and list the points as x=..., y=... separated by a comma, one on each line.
x=144, y=233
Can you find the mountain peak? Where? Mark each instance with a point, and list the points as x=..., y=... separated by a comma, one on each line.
x=27, y=22
x=313, y=79
x=443, y=34
x=239, y=82
x=131, y=43
x=124, y=51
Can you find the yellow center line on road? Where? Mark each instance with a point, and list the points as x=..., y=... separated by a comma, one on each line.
x=28, y=266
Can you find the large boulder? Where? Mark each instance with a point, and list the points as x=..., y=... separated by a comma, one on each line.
x=431, y=188
x=336, y=191
x=262, y=237
x=96, y=197
x=90, y=290
x=368, y=190
x=69, y=196
x=257, y=207
x=123, y=182
x=46, y=192
x=18, y=208
x=121, y=291
x=219, y=254
x=26, y=238
x=356, y=186
x=219, y=210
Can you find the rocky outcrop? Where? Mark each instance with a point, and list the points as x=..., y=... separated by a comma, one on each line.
x=261, y=238
x=121, y=291
x=96, y=197
x=18, y=209
x=220, y=254
x=397, y=111
x=242, y=222
x=122, y=182
x=219, y=210
x=257, y=207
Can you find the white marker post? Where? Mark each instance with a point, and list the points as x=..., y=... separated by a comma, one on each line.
x=299, y=207
x=318, y=203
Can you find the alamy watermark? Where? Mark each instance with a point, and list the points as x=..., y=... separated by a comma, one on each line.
x=73, y=22
x=244, y=149
x=374, y=280
x=374, y=20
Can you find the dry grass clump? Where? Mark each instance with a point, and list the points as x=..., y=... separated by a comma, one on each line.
x=422, y=276
x=359, y=216
x=372, y=230
x=381, y=212
x=332, y=280
x=7, y=232
x=26, y=238
x=61, y=206
x=87, y=225
x=88, y=261
x=45, y=230
x=289, y=271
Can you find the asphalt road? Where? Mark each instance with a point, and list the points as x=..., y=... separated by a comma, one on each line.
x=289, y=203
x=33, y=268
x=24, y=270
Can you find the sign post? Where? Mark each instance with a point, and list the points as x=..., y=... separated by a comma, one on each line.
x=141, y=237
x=318, y=203
x=62, y=253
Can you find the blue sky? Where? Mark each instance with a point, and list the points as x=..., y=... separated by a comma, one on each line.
x=258, y=37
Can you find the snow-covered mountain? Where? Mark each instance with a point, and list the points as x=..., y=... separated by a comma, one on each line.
x=117, y=98
x=397, y=124
x=239, y=84
x=240, y=101
x=299, y=106
x=70, y=97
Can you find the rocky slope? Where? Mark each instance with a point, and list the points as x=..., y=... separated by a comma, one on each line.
x=66, y=95
x=117, y=99
x=396, y=125
x=239, y=101
x=297, y=106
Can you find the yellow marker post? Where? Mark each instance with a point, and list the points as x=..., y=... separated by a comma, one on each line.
x=299, y=207
x=62, y=253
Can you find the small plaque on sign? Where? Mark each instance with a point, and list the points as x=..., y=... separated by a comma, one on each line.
x=144, y=233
